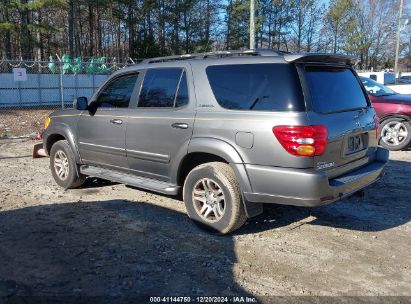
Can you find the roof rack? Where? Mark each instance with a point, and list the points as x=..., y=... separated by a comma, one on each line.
x=218, y=54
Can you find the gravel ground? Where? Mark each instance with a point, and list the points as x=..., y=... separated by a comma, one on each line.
x=109, y=239
x=22, y=122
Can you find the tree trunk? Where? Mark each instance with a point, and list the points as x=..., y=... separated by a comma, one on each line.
x=39, y=53
x=71, y=21
x=91, y=28
x=131, y=32
x=7, y=41
x=228, y=35
x=161, y=27
x=100, y=35
x=270, y=16
x=176, y=21
x=25, y=40
x=335, y=41
x=207, y=25
x=79, y=32
x=187, y=32
x=118, y=41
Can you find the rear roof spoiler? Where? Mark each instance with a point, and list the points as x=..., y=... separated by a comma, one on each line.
x=319, y=57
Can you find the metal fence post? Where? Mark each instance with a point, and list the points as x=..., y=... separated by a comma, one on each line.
x=19, y=89
x=61, y=85
x=39, y=86
x=94, y=83
x=76, y=85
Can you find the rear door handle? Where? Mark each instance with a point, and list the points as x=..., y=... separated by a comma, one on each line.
x=180, y=125
x=116, y=121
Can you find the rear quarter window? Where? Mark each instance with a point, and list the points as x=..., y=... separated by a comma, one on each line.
x=334, y=89
x=256, y=87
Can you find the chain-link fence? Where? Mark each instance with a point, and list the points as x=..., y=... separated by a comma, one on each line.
x=35, y=84
x=31, y=90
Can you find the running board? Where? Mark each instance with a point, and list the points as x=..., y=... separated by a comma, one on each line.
x=132, y=180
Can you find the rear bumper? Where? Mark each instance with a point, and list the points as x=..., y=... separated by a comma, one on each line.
x=307, y=187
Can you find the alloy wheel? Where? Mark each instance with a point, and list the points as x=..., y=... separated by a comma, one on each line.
x=209, y=200
x=61, y=165
x=394, y=133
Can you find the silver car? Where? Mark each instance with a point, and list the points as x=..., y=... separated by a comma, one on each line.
x=228, y=130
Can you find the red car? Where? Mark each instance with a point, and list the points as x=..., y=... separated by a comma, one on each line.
x=394, y=112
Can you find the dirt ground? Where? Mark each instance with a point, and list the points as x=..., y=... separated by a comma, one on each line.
x=107, y=239
x=22, y=122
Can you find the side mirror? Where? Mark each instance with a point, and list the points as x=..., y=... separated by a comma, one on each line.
x=80, y=103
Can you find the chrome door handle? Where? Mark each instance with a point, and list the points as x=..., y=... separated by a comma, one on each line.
x=116, y=121
x=180, y=125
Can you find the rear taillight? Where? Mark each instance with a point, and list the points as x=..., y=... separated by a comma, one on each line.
x=302, y=140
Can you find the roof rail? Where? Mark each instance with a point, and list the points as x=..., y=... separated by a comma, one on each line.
x=229, y=53
x=218, y=54
x=169, y=58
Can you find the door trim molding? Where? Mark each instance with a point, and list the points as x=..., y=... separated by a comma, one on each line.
x=102, y=149
x=161, y=158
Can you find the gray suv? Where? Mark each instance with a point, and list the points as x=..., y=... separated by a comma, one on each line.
x=230, y=130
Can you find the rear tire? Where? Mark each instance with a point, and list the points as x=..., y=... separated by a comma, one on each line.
x=212, y=197
x=64, y=167
x=395, y=133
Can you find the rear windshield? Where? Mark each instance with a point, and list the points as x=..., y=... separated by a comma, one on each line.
x=259, y=87
x=334, y=89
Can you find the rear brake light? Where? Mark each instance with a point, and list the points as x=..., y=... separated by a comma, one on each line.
x=302, y=140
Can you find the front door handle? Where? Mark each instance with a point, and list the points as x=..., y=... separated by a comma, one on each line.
x=180, y=125
x=116, y=121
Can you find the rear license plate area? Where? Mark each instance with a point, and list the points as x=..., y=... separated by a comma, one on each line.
x=354, y=144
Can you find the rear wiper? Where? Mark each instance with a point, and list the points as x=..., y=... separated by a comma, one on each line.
x=256, y=101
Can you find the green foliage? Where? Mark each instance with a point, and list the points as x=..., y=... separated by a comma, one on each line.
x=336, y=19
x=239, y=19
x=7, y=26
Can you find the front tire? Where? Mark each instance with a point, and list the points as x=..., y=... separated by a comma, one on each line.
x=64, y=167
x=213, y=198
x=395, y=134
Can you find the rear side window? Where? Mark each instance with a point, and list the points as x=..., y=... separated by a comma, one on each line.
x=334, y=89
x=118, y=92
x=164, y=88
x=259, y=87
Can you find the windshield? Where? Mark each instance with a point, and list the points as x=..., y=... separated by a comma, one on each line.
x=376, y=89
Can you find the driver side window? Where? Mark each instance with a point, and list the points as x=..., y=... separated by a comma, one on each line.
x=118, y=92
